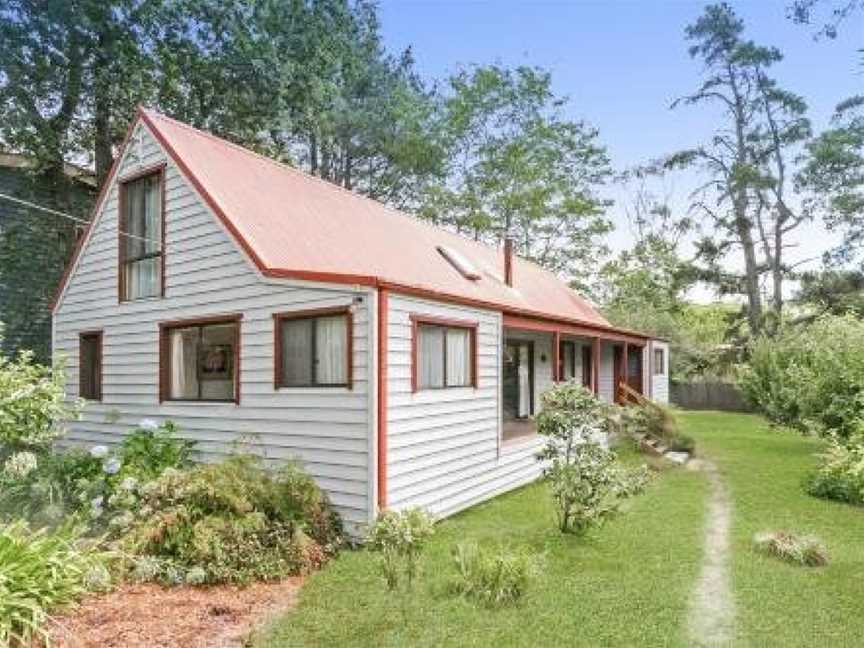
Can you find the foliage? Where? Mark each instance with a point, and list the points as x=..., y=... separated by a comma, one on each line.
x=33, y=404
x=832, y=291
x=234, y=521
x=400, y=536
x=841, y=473
x=656, y=420
x=515, y=164
x=150, y=448
x=810, y=377
x=807, y=551
x=492, y=577
x=833, y=174
x=584, y=480
x=41, y=572
x=93, y=485
x=748, y=200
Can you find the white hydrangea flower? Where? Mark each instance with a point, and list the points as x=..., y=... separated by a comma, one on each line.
x=148, y=424
x=99, y=451
x=112, y=466
x=129, y=484
x=20, y=464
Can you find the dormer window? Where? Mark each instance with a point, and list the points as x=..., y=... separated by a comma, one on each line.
x=141, y=236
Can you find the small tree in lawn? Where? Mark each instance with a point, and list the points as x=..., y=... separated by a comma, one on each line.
x=582, y=475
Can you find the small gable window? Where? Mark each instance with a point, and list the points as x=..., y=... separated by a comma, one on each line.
x=444, y=354
x=659, y=362
x=141, y=236
x=90, y=365
x=313, y=348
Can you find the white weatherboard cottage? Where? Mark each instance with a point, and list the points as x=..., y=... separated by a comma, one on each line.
x=242, y=299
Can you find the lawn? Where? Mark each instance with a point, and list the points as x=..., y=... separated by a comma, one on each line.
x=625, y=584
x=779, y=604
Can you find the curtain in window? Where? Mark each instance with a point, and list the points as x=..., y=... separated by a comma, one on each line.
x=524, y=381
x=331, y=350
x=184, y=361
x=144, y=224
x=297, y=352
x=458, y=357
x=430, y=356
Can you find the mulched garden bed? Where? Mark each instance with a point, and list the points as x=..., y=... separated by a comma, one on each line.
x=138, y=616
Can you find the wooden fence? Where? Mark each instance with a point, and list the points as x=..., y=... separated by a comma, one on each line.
x=709, y=395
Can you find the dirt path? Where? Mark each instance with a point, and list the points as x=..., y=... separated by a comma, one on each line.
x=711, y=620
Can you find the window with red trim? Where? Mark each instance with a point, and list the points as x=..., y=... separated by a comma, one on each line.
x=90, y=365
x=140, y=238
x=314, y=348
x=444, y=354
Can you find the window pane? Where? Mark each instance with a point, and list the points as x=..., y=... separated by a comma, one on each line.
x=90, y=383
x=216, y=361
x=183, y=360
x=658, y=362
x=331, y=350
x=143, y=278
x=143, y=223
x=458, y=357
x=430, y=356
x=297, y=352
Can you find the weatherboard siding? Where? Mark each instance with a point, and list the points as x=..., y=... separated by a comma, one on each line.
x=327, y=430
x=443, y=446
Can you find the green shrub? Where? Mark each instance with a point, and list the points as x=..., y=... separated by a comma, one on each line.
x=39, y=573
x=33, y=405
x=655, y=420
x=841, y=473
x=810, y=377
x=399, y=536
x=235, y=521
x=61, y=484
x=584, y=479
x=494, y=578
x=150, y=448
x=807, y=551
x=93, y=485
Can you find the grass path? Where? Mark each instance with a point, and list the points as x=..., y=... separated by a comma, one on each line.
x=779, y=604
x=711, y=620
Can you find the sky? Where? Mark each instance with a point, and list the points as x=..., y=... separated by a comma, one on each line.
x=622, y=63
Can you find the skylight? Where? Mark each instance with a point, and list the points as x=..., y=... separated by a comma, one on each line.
x=462, y=265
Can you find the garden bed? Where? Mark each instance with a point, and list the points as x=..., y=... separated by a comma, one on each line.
x=148, y=615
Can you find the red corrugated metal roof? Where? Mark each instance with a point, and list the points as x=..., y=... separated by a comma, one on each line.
x=294, y=224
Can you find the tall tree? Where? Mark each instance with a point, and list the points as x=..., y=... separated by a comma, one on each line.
x=746, y=200
x=516, y=165
x=833, y=176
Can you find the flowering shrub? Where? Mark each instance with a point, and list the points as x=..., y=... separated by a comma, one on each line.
x=234, y=521
x=841, y=474
x=33, y=404
x=399, y=536
x=810, y=377
x=584, y=478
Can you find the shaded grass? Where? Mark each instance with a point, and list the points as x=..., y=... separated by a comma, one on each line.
x=625, y=584
x=780, y=604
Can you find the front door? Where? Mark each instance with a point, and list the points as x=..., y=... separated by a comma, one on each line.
x=518, y=371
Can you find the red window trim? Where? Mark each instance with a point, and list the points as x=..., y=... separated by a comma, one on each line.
x=164, y=378
x=92, y=334
x=122, y=183
x=471, y=327
x=278, y=370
